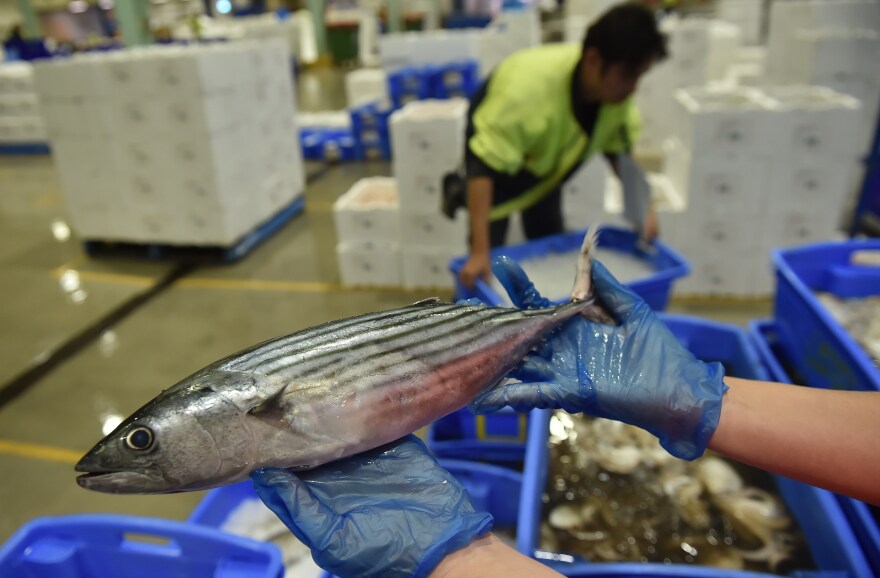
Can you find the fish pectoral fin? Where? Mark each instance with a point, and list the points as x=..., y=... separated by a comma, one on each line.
x=274, y=408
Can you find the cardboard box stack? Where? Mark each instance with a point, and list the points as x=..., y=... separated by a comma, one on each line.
x=20, y=120
x=187, y=145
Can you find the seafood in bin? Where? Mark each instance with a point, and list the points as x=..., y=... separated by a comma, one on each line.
x=614, y=495
x=860, y=317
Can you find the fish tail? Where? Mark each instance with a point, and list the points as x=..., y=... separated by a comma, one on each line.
x=583, y=287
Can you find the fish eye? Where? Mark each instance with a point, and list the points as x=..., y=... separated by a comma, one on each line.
x=140, y=438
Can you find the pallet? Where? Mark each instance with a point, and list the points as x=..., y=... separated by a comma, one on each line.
x=34, y=148
x=197, y=253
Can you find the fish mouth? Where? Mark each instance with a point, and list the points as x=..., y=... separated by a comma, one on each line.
x=112, y=481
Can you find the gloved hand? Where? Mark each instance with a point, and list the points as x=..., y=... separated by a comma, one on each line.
x=637, y=372
x=392, y=511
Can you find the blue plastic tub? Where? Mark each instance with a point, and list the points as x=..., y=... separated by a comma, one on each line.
x=498, y=438
x=99, y=546
x=328, y=145
x=864, y=525
x=819, y=515
x=369, y=126
x=823, y=353
x=655, y=290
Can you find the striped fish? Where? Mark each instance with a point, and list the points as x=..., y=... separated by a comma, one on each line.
x=322, y=394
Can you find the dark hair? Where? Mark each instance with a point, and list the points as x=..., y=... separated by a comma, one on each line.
x=627, y=34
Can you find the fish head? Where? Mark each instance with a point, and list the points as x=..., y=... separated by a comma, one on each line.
x=190, y=437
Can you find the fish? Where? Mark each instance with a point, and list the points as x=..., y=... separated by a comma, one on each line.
x=324, y=393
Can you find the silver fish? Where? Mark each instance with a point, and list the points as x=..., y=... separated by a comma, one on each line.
x=324, y=393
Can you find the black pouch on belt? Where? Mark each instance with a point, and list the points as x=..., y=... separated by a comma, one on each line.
x=454, y=194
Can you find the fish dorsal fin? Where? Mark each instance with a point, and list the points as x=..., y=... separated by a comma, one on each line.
x=427, y=302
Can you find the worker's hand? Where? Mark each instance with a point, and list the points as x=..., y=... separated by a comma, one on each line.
x=652, y=225
x=392, y=511
x=476, y=267
x=636, y=372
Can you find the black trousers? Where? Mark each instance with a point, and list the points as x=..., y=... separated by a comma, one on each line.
x=540, y=220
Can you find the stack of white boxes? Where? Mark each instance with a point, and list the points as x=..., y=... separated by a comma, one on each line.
x=746, y=15
x=367, y=220
x=583, y=194
x=366, y=85
x=427, y=139
x=20, y=120
x=511, y=31
x=193, y=145
x=829, y=43
x=700, y=52
x=718, y=160
x=581, y=13
x=758, y=169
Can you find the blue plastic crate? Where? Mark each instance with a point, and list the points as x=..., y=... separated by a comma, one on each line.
x=864, y=525
x=328, y=145
x=410, y=83
x=456, y=79
x=97, y=546
x=498, y=437
x=822, y=352
x=655, y=290
x=817, y=512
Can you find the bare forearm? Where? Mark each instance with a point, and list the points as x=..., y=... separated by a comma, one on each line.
x=489, y=557
x=826, y=438
x=479, y=200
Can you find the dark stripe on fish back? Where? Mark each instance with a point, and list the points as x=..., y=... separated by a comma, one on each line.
x=401, y=341
x=279, y=346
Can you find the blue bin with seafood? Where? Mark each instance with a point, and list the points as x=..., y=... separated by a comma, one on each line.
x=101, y=545
x=237, y=509
x=601, y=498
x=864, y=519
x=550, y=263
x=826, y=298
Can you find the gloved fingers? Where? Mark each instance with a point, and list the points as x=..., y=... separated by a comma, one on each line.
x=472, y=302
x=521, y=290
x=521, y=396
x=618, y=298
x=534, y=367
x=292, y=501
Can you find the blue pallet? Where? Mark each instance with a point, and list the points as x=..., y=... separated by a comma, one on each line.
x=100, y=545
x=818, y=513
x=410, y=83
x=197, y=253
x=35, y=148
x=864, y=525
x=455, y=79
x=655, y=290
x=824, y=354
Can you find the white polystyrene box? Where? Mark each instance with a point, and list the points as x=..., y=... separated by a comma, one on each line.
x=366, y=85
x=420, y=188
x=427, y=267
x=368, y=211
x=820, y=187
x=724, y=122
x=434, y=230
x=814, y=123
x=429, y=132
x=369, y=263
x=732, y=188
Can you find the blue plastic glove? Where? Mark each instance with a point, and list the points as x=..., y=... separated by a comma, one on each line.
x=392, y=511
x=637, y=372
